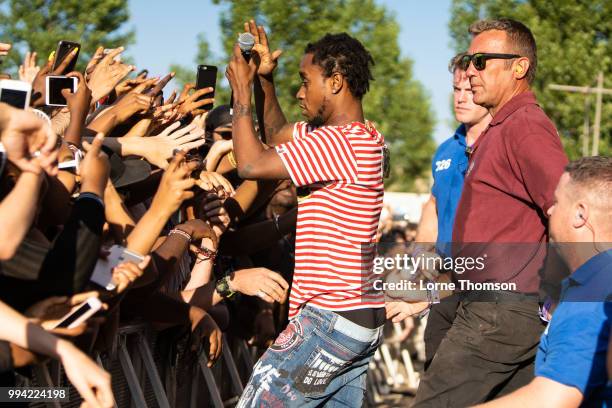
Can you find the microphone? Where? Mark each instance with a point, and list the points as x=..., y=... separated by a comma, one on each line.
x=246, y=41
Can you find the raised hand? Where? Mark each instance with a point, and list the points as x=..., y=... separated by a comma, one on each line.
x=174, y=187
x=78, y=102
x=39, y=84
x=192, y=103
x=107, y=74
x=29, y=142
x=211, y=181
x=130, y=104
x=95, y=168
x=265, y=61
x=49, y=312
x=29, y=69
x=158, y=149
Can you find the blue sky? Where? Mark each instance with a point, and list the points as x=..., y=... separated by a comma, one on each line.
x=166, y=33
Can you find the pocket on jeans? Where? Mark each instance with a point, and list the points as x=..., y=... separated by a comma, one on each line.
x=321, y=367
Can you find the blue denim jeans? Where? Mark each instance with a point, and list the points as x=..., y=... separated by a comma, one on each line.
x=321, y=358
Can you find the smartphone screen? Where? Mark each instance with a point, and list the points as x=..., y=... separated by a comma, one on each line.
x=14, y=97
x=56, y=84
x=84, y=308
x=207, y=77
x=63, y=49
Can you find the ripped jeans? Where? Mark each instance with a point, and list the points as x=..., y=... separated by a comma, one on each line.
x=320, y=359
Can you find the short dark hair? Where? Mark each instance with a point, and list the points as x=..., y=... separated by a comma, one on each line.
x=520, y=39
x=593, y=172
x=455, y=63
x=345, y=54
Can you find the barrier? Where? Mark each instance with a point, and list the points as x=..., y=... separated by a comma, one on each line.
x=149, y=370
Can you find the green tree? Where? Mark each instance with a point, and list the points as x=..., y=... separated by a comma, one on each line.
x=396, y=102
x=573, y=39
x=204, y=56
x=38, y=25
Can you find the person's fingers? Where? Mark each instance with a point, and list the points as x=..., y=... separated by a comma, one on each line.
x=187, y=195
x=170, y=129
x=263, y=37
x=66, y=93
x=400, y=317
x=199, y=93
x=161, y=84
x=276, y=54
x=62, y=66
x=81, y=297
x=33, y=59
x=182, y=131
x=278, y=279
x=145, y=262
x=237, y=52
x=86, y=392
x=185, y=184
x=79, y=76
x=194, y=134
x=223, y=182
x=193, y=145
x=253, y=30
x=110, y=57
x=144, y=85
x=273, y=289
x=96, y=144
x=200, y=103
x=177, y=159
x=214, y=346
x=171, y=98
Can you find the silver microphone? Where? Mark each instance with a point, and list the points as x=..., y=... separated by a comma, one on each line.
x=246, y=41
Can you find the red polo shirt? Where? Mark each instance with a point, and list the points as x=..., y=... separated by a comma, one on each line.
x=513, y=172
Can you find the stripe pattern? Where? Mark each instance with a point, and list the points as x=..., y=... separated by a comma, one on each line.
x=336, y=226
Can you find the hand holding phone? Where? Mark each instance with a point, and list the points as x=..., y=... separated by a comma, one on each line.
x=207, y=78
x=55, y=85
x=103, y=272
x=66, y=49
x=83, y=312
x=15, y=93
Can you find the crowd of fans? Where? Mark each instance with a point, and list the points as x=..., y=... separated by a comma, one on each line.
x=156, y=177
x=150, y=189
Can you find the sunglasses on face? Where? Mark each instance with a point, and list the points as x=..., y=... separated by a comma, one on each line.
x=480, y=59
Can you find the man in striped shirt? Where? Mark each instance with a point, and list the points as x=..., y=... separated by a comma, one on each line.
x=335, y=318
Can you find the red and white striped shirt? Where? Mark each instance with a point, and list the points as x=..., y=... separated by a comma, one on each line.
x=336, y=226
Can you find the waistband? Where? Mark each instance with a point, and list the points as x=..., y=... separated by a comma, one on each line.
x=332, y=321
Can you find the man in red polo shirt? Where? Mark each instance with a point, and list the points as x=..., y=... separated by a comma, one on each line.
x=514, y=168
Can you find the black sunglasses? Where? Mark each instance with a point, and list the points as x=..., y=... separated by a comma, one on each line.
x=480, y=59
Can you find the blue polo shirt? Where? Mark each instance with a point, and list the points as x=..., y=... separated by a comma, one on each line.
x=448, y=167
x=574, y=346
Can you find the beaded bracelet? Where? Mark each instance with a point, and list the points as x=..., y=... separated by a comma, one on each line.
x=181, y=233
x=207, y=254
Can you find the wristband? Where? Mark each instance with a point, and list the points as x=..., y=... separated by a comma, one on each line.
x=205, y=254
x=181, y=233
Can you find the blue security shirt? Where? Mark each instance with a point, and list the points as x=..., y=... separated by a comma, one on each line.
x=448, y=167
x=574, y=346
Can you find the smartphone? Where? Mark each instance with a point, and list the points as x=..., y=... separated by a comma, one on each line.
x=15, y=93
x=63, y=49
x=55, y=85
x=83, y=312
x=207, y=77
x=103, y=272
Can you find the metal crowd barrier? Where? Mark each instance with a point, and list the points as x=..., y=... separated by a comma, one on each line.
x=145, y=374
